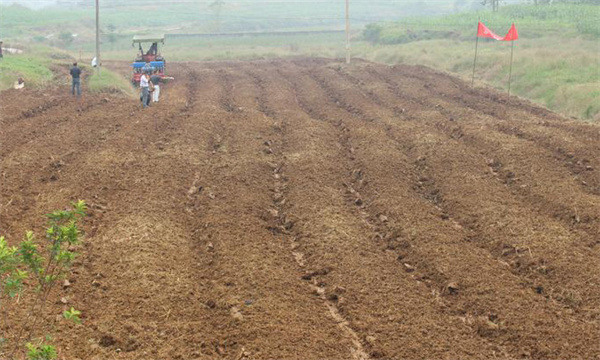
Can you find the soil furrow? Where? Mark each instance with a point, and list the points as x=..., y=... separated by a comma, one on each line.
x=535, y=188
x=253, y=275
x=130, y=256
x=375, y=248
x=459, y=132
x=540, y=274
x=580, y=162
x=303, y=209
x=367, y=108
x=283, y=211
x=69, y=157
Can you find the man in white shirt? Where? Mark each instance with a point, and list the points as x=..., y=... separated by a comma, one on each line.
x=144, y=85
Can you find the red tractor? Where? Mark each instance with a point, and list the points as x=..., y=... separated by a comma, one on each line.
x=150, y=60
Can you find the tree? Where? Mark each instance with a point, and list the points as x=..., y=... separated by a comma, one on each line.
x=493, y=3
x=217, y=7
x=111, y=37
x=30, y=271
x=66, y=37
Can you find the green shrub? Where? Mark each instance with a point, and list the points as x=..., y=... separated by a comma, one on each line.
x=31, y=270
x=41, y=352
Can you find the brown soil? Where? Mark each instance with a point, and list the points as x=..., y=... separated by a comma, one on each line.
x=302, y=209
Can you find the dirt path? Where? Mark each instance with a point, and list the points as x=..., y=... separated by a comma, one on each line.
x=300, y=209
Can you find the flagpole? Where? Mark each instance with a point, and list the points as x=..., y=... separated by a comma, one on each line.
x=512, y=49
x=475, y=59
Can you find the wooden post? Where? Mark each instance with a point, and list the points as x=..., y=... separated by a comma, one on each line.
x=475, y=60
x=98, y=36
x=347, y=31
x=512, y=50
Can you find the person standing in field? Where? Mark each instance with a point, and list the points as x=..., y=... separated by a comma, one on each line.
x=156, y=79
x=145, y=87
x=76, y=75
x=1, y=56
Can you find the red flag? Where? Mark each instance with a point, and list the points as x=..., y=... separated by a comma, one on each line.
x=512, y=34
x=483, y=31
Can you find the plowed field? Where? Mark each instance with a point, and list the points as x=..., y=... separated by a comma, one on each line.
x=301, y=209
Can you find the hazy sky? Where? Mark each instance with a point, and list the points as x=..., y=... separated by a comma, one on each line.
x=29, y=3
x=41, y=3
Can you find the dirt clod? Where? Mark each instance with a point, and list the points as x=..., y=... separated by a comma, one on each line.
x=409, y=267
x=452, y=288
x=107, y=341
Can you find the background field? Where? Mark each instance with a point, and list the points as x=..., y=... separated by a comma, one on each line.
x=556, y=60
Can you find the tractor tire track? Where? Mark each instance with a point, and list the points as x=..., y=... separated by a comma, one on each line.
x=284, y=223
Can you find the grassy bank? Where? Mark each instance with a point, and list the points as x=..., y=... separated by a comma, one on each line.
x=42, y=67
x=108, y=81
x=564, y=78
x=33, y=66
x=556, y=59
x=562, y=20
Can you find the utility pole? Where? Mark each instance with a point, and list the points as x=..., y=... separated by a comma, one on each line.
x=217, y=7
x=347, y=31
x=98, y=37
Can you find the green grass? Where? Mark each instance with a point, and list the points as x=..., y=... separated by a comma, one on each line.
x=557, y=58
x=43, y=66
x=108, y=81
x=563, y=20
x=564, y=78
x=240, y=15
x=228, y=48
x=34, y=67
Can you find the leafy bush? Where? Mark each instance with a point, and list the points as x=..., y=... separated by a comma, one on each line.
x=41, y=352
x=372, y=32
x=36, y=268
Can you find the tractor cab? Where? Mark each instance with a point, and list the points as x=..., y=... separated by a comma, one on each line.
x=149, y=59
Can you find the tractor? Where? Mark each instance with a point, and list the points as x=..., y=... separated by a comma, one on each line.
x=152, y=56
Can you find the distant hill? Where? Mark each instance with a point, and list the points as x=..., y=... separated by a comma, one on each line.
x=206, y=16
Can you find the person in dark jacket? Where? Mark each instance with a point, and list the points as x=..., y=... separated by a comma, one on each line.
x=76, y=75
